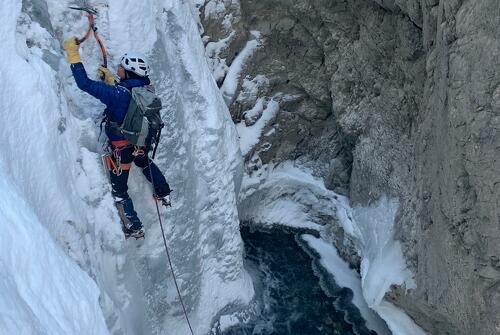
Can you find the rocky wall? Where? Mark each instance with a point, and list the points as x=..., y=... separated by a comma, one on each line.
x=397, y=98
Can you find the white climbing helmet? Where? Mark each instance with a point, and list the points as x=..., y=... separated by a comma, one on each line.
x=135, y=62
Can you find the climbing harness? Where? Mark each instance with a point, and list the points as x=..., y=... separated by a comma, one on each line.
x=92, y=27
x=166, y=250
x=112, y=156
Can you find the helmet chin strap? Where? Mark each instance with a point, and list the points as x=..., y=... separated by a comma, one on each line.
x=132, y=75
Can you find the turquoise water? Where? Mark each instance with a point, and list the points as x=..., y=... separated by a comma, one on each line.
x=294, y=295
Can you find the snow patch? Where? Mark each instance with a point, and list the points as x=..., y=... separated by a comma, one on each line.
x=213, y=51
x=250, y=135
x=250, y=89
x=230, y=84
x=383, y=263
x=284, y=194
x=228, y=321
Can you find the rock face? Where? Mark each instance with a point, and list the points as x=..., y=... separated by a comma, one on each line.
x=456, y=149
x=397, y=98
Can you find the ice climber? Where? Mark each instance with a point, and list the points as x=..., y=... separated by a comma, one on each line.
x=133, y=72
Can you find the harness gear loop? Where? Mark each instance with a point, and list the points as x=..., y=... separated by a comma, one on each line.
x=109, y=162
x=111, y=166
x=118, y=158
x=167, y=252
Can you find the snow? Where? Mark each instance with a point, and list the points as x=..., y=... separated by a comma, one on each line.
x=230, y=84
x=227, y=321
x=397, y=320
x=250, y=88
x=250, y=135
x=288, y=195
x=218, y=9
x=58, y=193
x=213, y=51
x=255, y=113
x=214, y=8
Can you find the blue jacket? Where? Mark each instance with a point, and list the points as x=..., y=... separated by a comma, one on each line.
x=116, y=98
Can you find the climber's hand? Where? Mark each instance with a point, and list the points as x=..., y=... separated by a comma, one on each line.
x=106, y=75
x=71, y=46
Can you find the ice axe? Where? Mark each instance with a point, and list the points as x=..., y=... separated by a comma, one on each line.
x=92, y=27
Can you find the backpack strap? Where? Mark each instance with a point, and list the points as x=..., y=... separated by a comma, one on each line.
x=113, y=128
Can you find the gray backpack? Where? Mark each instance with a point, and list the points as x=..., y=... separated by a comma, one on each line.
x=142, y=123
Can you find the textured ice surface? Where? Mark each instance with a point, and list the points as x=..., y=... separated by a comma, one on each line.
x=50, y=155
x=42, y=290
x=346, y=277
x=383, y=263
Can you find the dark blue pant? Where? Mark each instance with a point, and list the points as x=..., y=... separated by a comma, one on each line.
x=119, y=182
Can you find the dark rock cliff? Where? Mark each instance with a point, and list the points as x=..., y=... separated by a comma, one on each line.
x=398, y=98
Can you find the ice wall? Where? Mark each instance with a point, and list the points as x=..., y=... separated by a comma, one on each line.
x=383, y=264
x=43, y=291
x=50, y=155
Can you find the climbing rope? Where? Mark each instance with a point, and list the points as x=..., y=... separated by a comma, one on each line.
x=166, y=249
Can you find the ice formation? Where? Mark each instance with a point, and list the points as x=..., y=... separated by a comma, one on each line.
x=289, y=195
x=56, y=210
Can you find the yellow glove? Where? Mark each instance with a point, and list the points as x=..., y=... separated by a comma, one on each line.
x=106, y=75
x=72, y=54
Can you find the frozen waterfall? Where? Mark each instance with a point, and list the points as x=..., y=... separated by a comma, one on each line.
x=56, y=209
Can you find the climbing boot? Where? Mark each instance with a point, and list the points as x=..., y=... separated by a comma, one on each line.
x=137, y=233
x=165, y=200
x=131, y=225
